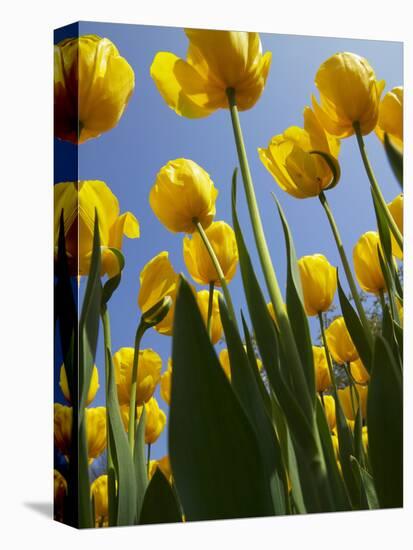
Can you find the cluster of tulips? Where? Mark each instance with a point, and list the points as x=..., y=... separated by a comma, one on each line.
x=264, y=428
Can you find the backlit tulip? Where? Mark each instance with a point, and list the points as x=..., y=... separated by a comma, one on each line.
x=358, y=372
x=367, y=263
x=339, y=342
x=155, y=420
x=79, y=200
x=198, y=261
x=396, y=210
x=216, y=325
x=182, y=193
x=330, y=411
x=93, y=388
x=289, y=158
x=95, y=429
x=99, y=493
x=216, y=61
x=391, y=117
x=322, y=374
x=166, y=381
x=349, y=93
x=149, y=374
x=92, y=86
x=349, y=400
x=157, y=280
x=319, y=283
x=60, y=492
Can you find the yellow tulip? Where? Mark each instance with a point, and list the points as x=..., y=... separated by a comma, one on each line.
x=359, y=372
x=92, y=86
x=349, y=400
x=155, y=420
x=166, y=382
x=157, y=280
x=367, y=263
x=330, y=411
x=225, y=364
x=391, y=117
x=216, y=61
x=60, y=492
x=289, y=160
x=339, y=342
x=319, y=283
x=79, y=200
x=365, y=438
x=396, y=210
x=183, y=192
x=164, y=465
x=334, y=440
x=322, y=374
x=95, y=429
x=216, y=325
x=349, y=93
x=149, y=374
x=93, y=388
x=198, y=261
x=99, y=493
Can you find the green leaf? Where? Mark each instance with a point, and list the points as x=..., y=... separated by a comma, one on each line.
x=385, y=426
x=159, y=504
x=247, y=390
x=139, y=459
x=213, y=449
x=395, y=158
x=355, y=328
x=367, y=482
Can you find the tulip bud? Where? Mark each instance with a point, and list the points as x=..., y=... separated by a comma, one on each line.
x=330, y=411
x=60, y=492
x=391, y=117
x=216, y=324
x=158, y=312
x=99, y=493
x=349, y=399
x=93, y=388
x=339, y=342
x=319, y=283
x=367, y=263
x=322, y=373
x=396, y=210
x=358, y=372
x=166, y=381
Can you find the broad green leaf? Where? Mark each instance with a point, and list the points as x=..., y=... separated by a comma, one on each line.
x=385, y=426
x=366, y=480
x=213, y=449
x=246, y=387
x=355, y=328
x=139, y=459
x=159, y=504
x=395, y=158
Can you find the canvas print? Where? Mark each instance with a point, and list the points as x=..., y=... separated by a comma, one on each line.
x=228, y=247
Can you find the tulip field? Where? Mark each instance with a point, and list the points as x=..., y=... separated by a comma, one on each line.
x=277, y=385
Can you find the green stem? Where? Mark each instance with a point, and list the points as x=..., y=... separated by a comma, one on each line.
x=274, y=291
x=148, y=460
x=352, y=390
x=108, y=349
x=375, y=186
x=132, y=400
x=345, y=262
x=218, y=268
x=329, y=363
x=210, y=306
x=382, y=301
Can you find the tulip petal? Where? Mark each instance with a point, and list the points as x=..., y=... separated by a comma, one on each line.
x=181, y=86
x=127, y=225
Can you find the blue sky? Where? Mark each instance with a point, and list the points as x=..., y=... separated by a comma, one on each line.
x=150, y=134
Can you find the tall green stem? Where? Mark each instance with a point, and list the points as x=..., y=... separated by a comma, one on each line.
x=108, y=348
x=210, y=306
x=329, y=363
x=132, y=400
x=148, y=460
x=375, y=186
x=344, y=261
x=218, y=268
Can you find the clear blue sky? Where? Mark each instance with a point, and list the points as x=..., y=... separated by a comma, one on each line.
x=150, y=134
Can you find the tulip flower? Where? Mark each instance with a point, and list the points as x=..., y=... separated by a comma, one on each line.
x=349, y=94
x=367, y=263
x=216, y=324
x=226, y=365
x=166, y=381
x=339, y=342
x=93, y=388
x=358, y=372
x=396, y=210
x=183, y=192
x=164, y=465
x=330, y=411
x=149, y=374
x=99, y=493
x=322, y=374
x=319, y=283
x=92, y=86
x=216, y=61
x=349, y=402
x=391, y=117
x=95, y=429
x=157, y=280
x=60, y=492
x=198, y=261
x=79, y=200
x=291, y=160
x=155, y=420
